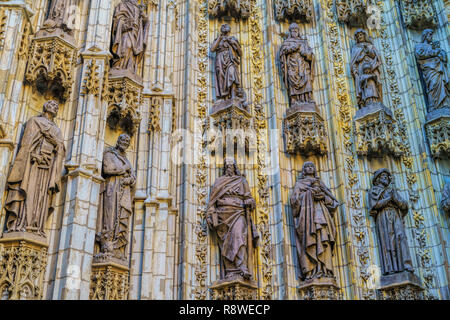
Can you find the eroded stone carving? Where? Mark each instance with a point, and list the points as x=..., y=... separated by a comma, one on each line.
x=376, y=128
x=352, y=12
x=129, y=36
x=313, y=206
x=445, y=202
x=289, y=10
x=109, y=282
x=303, y=126
x=239, y=9
x=418, y=14
x=116, y=203
x=229, y=215
x=61, y=16
x=36, y=173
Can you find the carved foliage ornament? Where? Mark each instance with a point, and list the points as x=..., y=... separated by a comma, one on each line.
x=239, y=9
x=291, y=10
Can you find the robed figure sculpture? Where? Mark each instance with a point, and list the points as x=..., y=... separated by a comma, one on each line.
x=36, y=174
x=297, y=65
x=129, y=36
x=445, y=202
x=365, y=68
x=313, y=206
x=388, y=209
x=432, y=61
x=116, y=201
x=61, y=15
x=227, y=65
x=229, y=215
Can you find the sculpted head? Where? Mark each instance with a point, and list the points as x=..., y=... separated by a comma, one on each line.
x=123, y=142
x=230, y=167
x=51, y=107
x=225, y=29
x=294, y=30
x=309, y=169
x=361, y=35
x=427, y=35
x=382, y=177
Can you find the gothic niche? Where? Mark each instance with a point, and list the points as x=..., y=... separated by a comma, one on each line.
x=304, y=127
x=239, y=9
x=376, y=128
x=352, y=12
x=313, y=206
x=229, y=215
x=231, y=111
x=418, y=14
x=53, y=54
x=432, y=61
x=290, y=10
x=128, y=44
x=388, y=208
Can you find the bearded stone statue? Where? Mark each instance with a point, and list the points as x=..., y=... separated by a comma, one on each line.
x=36, y=174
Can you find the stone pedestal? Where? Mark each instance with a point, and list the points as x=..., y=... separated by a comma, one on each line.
x=377, y=132
x=124, y=96
x=109, y=280
x=23, y=259
x=304, y=130
x=51, y=63
x=438, y=132
x=234, y=289
x=319, y=289
x=401, y=286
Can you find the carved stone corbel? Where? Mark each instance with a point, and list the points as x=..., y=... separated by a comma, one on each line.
x=234, y=290
x=401, y=286
x=51, y=63
x=352, y=12
x=438, y=133
x=232, y=8
x=109, y=281
x=301, y=10
x=319, y=289
x=418, y=14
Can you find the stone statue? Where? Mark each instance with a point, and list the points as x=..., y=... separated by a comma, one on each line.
x=228, y=59
x=36, y=173
x=313, y=206
x=365, y=67
x=61, y=15
x=432, y=61
x=445, y=203
x=388, y=209
x=116, y=201
x=229, y=214
x=129, y=36
x=297, y=63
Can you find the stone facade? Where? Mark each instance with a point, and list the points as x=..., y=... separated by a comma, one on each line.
x=181, y=133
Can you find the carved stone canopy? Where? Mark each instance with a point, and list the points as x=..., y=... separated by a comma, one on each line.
x=294, y=10
x=438, y=133
x=51, y=63
x=418, y=14
x=352, y=12
x=232, y=8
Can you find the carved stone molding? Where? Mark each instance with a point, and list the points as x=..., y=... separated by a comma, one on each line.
x=377, y=132
x=319, y=289
x=401, y=286
x=352, y=12
x=51, y=63
x=304, y=129
x=109, y=281
x=438, y=133
x=23, y=259
x=234, y=290
x=418, y=14
x=222, y=8
x=293, y=10
x=154, y=117
x=124, y=96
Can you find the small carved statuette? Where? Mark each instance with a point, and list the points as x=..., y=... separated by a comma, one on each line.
x=388, y=209
x=445, y=203
x=229, y=215
x=365, y=67
x=61, y=16
x=129, y=36
x=432, y=62
x=297, y=64
x=116, y=202
x=313, y=206
x=36, y=173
